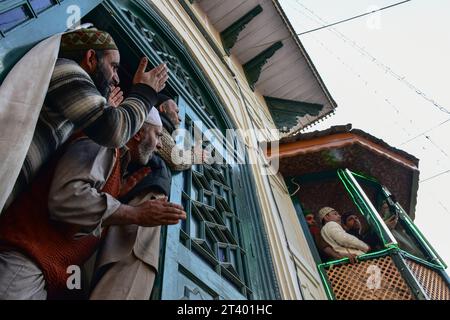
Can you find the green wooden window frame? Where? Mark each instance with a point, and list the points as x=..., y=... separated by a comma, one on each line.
x=213, y=228
x=352, y=182
x=430, y=253
x=155, y=38
x=23, y=34
x=148, y=34
x=29, y=8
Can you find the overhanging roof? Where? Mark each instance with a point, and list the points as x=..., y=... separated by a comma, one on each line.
x=259, y=35
x=344, y=147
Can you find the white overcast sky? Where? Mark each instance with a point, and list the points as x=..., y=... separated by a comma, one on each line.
x=413, y=40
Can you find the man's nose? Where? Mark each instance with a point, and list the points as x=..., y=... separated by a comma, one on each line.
x=116, y=79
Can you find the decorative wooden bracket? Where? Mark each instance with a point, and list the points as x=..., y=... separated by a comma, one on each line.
x=253, y=67
x=230, y=35
x=285, y=112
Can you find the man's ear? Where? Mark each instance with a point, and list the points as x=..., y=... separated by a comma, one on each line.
x=90, y=61
x=138, y=136
x=161, y=107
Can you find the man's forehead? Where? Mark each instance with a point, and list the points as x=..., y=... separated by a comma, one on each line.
x=152, y=127
x=112, y=55
x=172, y=103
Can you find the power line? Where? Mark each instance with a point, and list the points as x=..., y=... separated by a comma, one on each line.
x=423, y=133
x=329, y=25
x=435, y=176
x=364, y=80
x=364, y=52
x=377, y=62
x=434, y=144
x=357, y=74
x=444, y=207
x=353, y=18
x=387, y=69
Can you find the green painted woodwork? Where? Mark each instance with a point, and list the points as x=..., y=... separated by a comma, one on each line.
x=190, y=268
x=213, y=251
x=349, y=180
x=285, y=112
x=229, y=214
x=253, y=67
x=211, y=238
x=20, y=38
x=326, y=282
x=372, y=218
x=301, y=218
x=398, y=259
x=405, y=221
x=154, y=40
x=230, y=35
x=408, y=276
x=187, y=6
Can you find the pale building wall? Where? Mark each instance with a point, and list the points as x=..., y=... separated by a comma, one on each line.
x=289, y=248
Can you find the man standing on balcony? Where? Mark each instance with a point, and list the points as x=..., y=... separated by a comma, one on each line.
x=335, y=235
x=353, y=224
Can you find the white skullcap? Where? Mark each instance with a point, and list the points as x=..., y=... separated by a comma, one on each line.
x=153, y=117
x=323, y=212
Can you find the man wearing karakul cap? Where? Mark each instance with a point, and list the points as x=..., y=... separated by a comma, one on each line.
x=83, y=76
x=82, y=201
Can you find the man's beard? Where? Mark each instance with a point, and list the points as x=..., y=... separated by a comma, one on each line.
x=173, y=119
x=145, y=153
x=101, y=80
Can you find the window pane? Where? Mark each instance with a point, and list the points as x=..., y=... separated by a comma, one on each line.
x=233, y=258
x=222, y=254
x=12, y=18
x=194, y=191
x=210, y=241
x=207, y=199
x=41, y=5
x=185, y=206
x=217, y=189
x=195, y=226
x=228, y=222
x=227, y=195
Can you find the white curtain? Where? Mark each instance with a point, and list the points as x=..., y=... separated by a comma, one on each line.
x=21, y=97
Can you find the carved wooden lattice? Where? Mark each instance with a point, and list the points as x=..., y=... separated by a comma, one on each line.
x=376, y=279
x=213, y=230
x=169, y=56
x=433, y=284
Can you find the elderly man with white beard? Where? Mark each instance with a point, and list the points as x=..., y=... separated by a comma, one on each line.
x=82, y=204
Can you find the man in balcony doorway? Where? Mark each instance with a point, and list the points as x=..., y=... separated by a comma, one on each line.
x=390, y=217
x=334, y=234
x=42, y=238
x=176, y=158
x=76, y=99
x=355, y=225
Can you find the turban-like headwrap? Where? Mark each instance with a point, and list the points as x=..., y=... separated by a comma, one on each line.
x=85, y=39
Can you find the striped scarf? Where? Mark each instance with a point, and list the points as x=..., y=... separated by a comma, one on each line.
x=74, y=103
